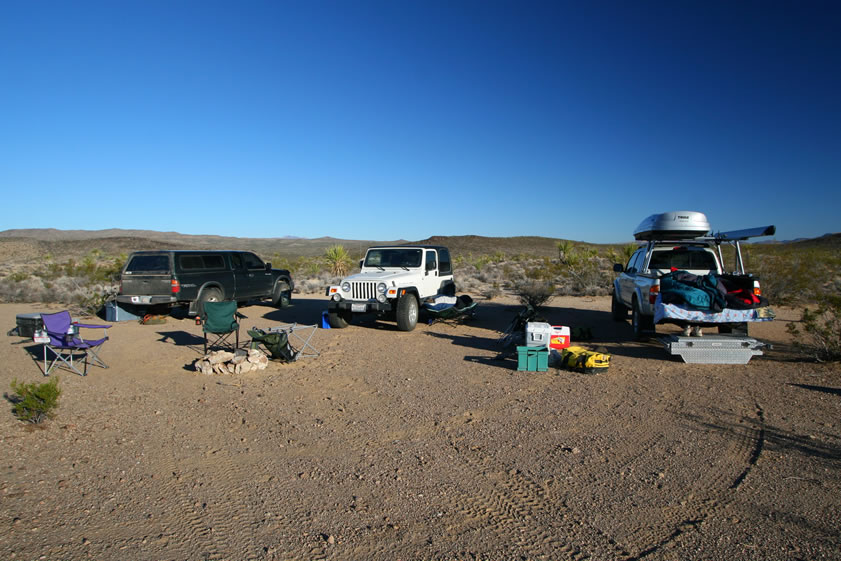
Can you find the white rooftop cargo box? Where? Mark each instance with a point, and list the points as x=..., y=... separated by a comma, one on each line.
x=675, y=225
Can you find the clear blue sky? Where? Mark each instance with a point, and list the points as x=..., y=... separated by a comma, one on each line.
x=397, y=119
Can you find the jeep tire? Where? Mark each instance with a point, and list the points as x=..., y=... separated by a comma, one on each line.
x=407, y=312
x=339, y=319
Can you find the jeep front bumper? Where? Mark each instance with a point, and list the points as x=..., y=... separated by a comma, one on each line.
x=360, y=307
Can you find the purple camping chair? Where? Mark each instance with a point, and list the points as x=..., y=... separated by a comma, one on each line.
x=66, y=341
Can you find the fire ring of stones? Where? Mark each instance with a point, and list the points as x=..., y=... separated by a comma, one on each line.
x=226, y=362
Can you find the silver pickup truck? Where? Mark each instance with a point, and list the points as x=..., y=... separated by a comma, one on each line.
x=678, y=240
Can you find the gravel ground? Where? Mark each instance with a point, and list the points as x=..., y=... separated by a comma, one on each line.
x=422, y=445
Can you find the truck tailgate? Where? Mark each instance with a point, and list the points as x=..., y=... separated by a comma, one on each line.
x=146, y=285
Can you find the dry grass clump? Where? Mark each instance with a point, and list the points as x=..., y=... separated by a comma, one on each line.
x=819, y=333
x=81, y=286
x=580, y=273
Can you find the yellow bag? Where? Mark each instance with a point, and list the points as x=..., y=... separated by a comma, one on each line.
x=583, y=360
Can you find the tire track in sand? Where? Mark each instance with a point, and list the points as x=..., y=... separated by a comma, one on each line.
x=714, y=495
x=517, y=510
x=209, y=509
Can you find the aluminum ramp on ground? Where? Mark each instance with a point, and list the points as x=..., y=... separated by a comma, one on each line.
x=714, y=348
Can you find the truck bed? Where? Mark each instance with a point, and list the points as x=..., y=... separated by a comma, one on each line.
x=665, y=313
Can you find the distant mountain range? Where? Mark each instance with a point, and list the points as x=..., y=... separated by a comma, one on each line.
x=27, y=244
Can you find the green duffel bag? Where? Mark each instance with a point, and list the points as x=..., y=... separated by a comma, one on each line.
x=276, y=342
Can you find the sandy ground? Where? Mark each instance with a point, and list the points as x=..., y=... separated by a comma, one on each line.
x=420, y=445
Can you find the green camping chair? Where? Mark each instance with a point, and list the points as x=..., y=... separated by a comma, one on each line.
x=220, y=320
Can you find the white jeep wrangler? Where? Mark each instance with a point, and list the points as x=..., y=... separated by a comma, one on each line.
x=393, y=283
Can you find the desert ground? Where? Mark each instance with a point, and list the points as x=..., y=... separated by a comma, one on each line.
x=421, y=445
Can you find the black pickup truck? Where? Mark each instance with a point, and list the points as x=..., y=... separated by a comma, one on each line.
x=171, y=278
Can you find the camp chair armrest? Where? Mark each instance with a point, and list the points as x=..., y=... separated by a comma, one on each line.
x=91, y=326
x=239, y=315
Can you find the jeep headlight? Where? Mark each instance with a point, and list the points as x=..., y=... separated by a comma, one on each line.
x=381, y=287
x=346, y=286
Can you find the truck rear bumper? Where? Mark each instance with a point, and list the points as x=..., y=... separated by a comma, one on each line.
x=145, y=300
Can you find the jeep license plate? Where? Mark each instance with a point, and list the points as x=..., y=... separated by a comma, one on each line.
x=358, y=307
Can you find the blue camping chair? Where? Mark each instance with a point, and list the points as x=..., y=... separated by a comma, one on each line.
x=66, y=341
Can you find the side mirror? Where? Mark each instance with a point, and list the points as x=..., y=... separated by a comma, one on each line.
x=618, y=268
x=268, y=266
x=361, y=261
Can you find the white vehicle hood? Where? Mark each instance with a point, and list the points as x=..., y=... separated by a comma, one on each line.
x=386, y=276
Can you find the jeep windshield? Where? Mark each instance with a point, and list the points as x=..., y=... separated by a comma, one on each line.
x=395, y=257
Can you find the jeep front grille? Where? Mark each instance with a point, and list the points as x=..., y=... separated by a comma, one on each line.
x=363, y=291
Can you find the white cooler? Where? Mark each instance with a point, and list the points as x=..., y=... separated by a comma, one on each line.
x=537, y=334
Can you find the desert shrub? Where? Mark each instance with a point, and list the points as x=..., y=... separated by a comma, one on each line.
x=821, y=329
x=533, y=293
x=19, y=276
x=316, y=284
x=481, y=261
x=492, y=291
x=35, y=403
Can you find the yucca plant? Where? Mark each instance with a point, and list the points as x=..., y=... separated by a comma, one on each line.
x=338, y=259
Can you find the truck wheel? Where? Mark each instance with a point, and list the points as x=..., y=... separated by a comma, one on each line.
x=618, y=310
x=339, y=319
x=643, y=326
x=281, y=295
x=407, y=312
x=208, y=295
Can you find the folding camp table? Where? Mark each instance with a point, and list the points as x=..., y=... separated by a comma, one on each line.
x=302, y=334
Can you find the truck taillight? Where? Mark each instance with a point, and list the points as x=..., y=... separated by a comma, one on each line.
x=652, y=293
x=175, y=285
x=756, y=289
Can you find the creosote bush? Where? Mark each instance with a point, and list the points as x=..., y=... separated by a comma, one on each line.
x=534, y=293
x=821, y=330
x=35, y=403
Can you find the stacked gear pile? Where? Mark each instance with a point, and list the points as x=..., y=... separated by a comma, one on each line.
x=710, y=292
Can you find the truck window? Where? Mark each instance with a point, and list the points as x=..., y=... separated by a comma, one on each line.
x=198, y=262
x=683, y=259
x=253, y=262
x=148, y=264
x=635, y=261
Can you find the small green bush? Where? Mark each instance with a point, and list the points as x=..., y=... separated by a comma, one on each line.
x=35, y=403
x=821, y=330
